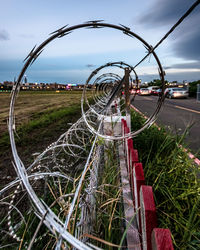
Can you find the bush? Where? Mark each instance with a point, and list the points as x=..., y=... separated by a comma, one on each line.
x=176, y=186
x=193, y=88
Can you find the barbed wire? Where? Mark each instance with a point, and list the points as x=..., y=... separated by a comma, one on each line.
x=53, y=165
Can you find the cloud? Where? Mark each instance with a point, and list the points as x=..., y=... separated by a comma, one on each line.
x=187, y=45
x=165, y=12
x=4, y=35
x=90, y=65
x=28, y=36
x=192, y=65
x=187, y=36
x=174, y=76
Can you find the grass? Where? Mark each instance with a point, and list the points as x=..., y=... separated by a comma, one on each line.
x=34, y=134
x=53, y=197
x=41, y=117
x=175, y=182
x=109, y=224
x=108, y=229
x=30, y=103
x=167, y=168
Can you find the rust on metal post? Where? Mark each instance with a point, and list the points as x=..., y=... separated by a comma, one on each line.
x=127, y=95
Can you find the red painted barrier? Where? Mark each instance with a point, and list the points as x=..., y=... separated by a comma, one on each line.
x=148, y=215
x=152, y=238
x=133, y=158
x=124, y=125
x=129, y=161
x=161, y=239
x=137, y=181
x=127, y=130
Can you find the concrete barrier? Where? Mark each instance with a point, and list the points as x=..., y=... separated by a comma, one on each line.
x=148, y=215
x=153, y=238
x=137, y=181
x=161, y=239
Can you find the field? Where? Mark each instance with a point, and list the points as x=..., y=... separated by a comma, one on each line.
x=31, y=103
x=40, y=118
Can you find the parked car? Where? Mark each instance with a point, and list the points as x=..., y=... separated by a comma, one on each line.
x=176, y=93
x=144, y=91
x=158, y=92
x=134, y=91
x=153, y=90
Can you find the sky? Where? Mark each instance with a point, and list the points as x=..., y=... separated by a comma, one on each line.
x=72, y=58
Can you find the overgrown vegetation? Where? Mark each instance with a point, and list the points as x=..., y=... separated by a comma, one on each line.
x=193, y=88
x=167, y=168
x=48, y=115
x=56, y=195
x=175, y=182
x=34, y=135
x=109, y=224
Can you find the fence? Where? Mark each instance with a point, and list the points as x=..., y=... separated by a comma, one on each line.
x=152, y=237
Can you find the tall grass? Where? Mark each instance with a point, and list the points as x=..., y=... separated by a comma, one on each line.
x=175, y=182
x=110, y=212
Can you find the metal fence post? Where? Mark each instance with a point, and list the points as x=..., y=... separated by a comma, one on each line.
x=127, y=96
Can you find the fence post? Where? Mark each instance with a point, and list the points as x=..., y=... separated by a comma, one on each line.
x=127, y=96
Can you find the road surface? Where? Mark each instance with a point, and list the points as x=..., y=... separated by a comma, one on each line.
x=176, y=115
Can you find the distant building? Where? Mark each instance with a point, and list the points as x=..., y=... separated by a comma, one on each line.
x=25, y=79
x=25, y=85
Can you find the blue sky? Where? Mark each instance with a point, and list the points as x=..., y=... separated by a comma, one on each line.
x=72, y=58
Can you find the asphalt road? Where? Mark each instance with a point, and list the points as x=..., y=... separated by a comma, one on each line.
x=176, y=115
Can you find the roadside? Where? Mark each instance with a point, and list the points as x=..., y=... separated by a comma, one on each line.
x=175, y=181
x=179, y=116
x=190, y=155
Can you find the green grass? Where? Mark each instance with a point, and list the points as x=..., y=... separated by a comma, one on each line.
x=109, y=201
x=35, y=136
x=47, y=124
x=167, y=168
x=25, y=230
x=175, y=183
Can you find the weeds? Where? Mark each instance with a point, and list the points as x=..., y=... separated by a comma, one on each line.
x=175, y=183
x=109, y=213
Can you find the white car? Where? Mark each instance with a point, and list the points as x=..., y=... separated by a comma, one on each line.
x=177, y=93
x=144, y=91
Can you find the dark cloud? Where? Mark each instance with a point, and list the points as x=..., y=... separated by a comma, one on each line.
x=187, y=36
x=90, y=65
x=187, y=76
x=193, y=65
x=167, y=67
x=165, y=12
x=188, y=40
x=4, y=35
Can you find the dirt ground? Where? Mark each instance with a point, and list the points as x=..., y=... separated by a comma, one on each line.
x=30, y=105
